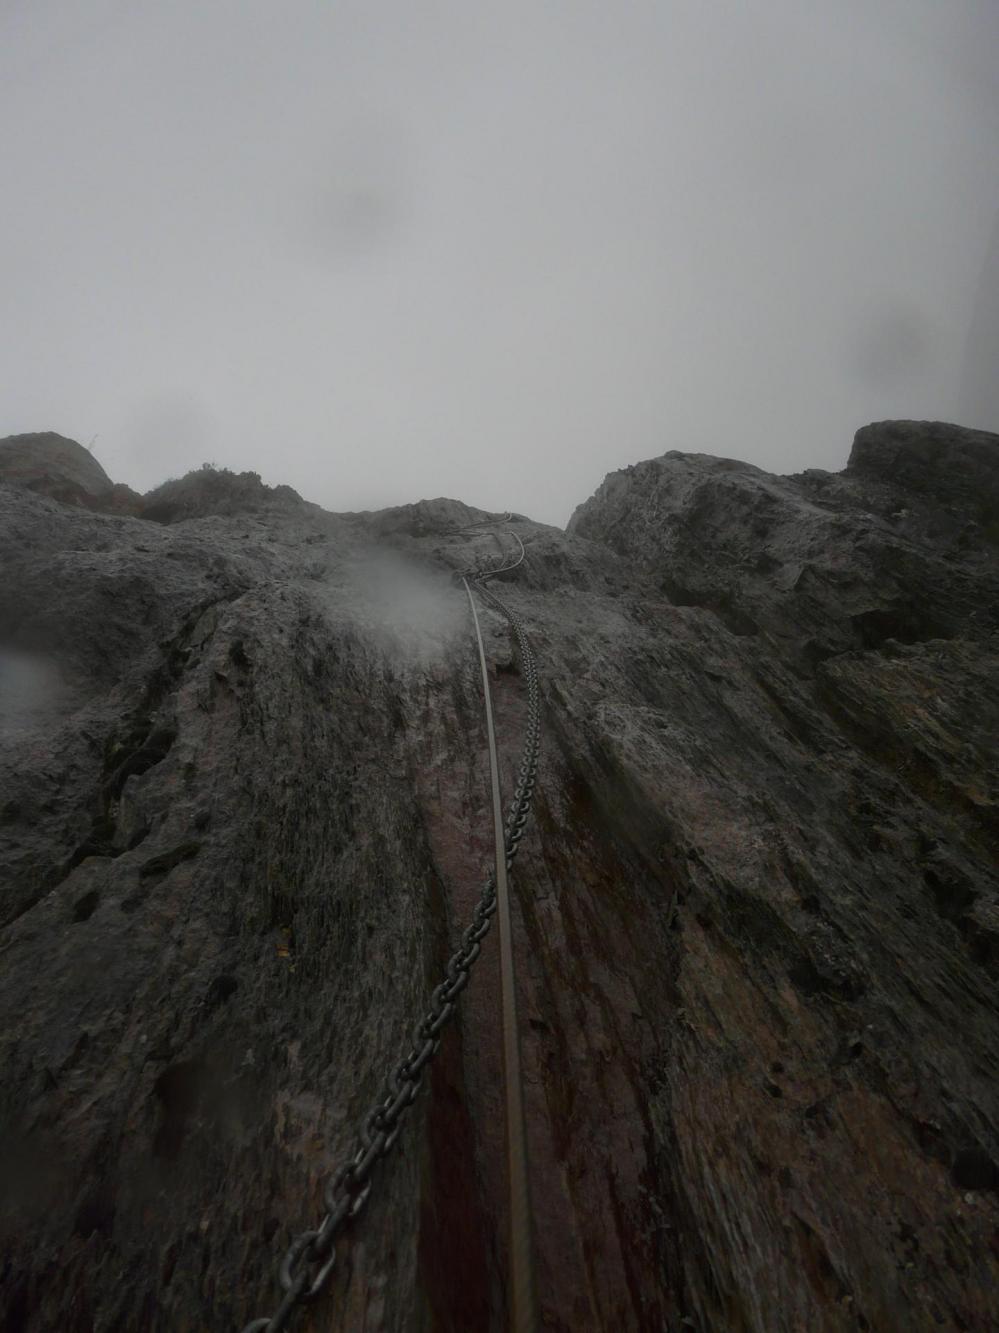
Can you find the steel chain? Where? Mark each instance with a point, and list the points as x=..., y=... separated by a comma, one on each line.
x=347, y=1190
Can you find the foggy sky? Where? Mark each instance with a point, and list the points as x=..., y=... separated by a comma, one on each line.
x=386, y=251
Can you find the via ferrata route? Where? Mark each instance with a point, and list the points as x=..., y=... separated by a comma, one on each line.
x=310, y=1259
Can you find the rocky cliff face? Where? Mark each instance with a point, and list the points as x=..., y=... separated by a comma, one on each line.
x=245, y=815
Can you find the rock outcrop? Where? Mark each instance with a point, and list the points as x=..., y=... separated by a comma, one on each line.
x=219, y=491
x=53, y=465
x=244, y=806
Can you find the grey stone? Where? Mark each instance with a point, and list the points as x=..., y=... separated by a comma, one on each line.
x=245, y=814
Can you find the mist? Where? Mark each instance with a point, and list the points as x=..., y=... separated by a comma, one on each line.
x=31, y=688
x=409, y=609
x=382, y=252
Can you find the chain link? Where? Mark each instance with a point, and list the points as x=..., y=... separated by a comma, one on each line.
x=309, y=1261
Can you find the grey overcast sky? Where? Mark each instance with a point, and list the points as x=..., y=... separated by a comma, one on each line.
x=389, y=250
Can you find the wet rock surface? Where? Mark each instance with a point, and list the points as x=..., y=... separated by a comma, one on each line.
x=244, y=805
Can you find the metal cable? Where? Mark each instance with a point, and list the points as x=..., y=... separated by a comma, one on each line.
x=523, y=1302
x=309, y=1261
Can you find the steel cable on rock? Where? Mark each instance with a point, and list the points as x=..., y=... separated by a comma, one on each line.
x=310, y=1259
x=523, y=1297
